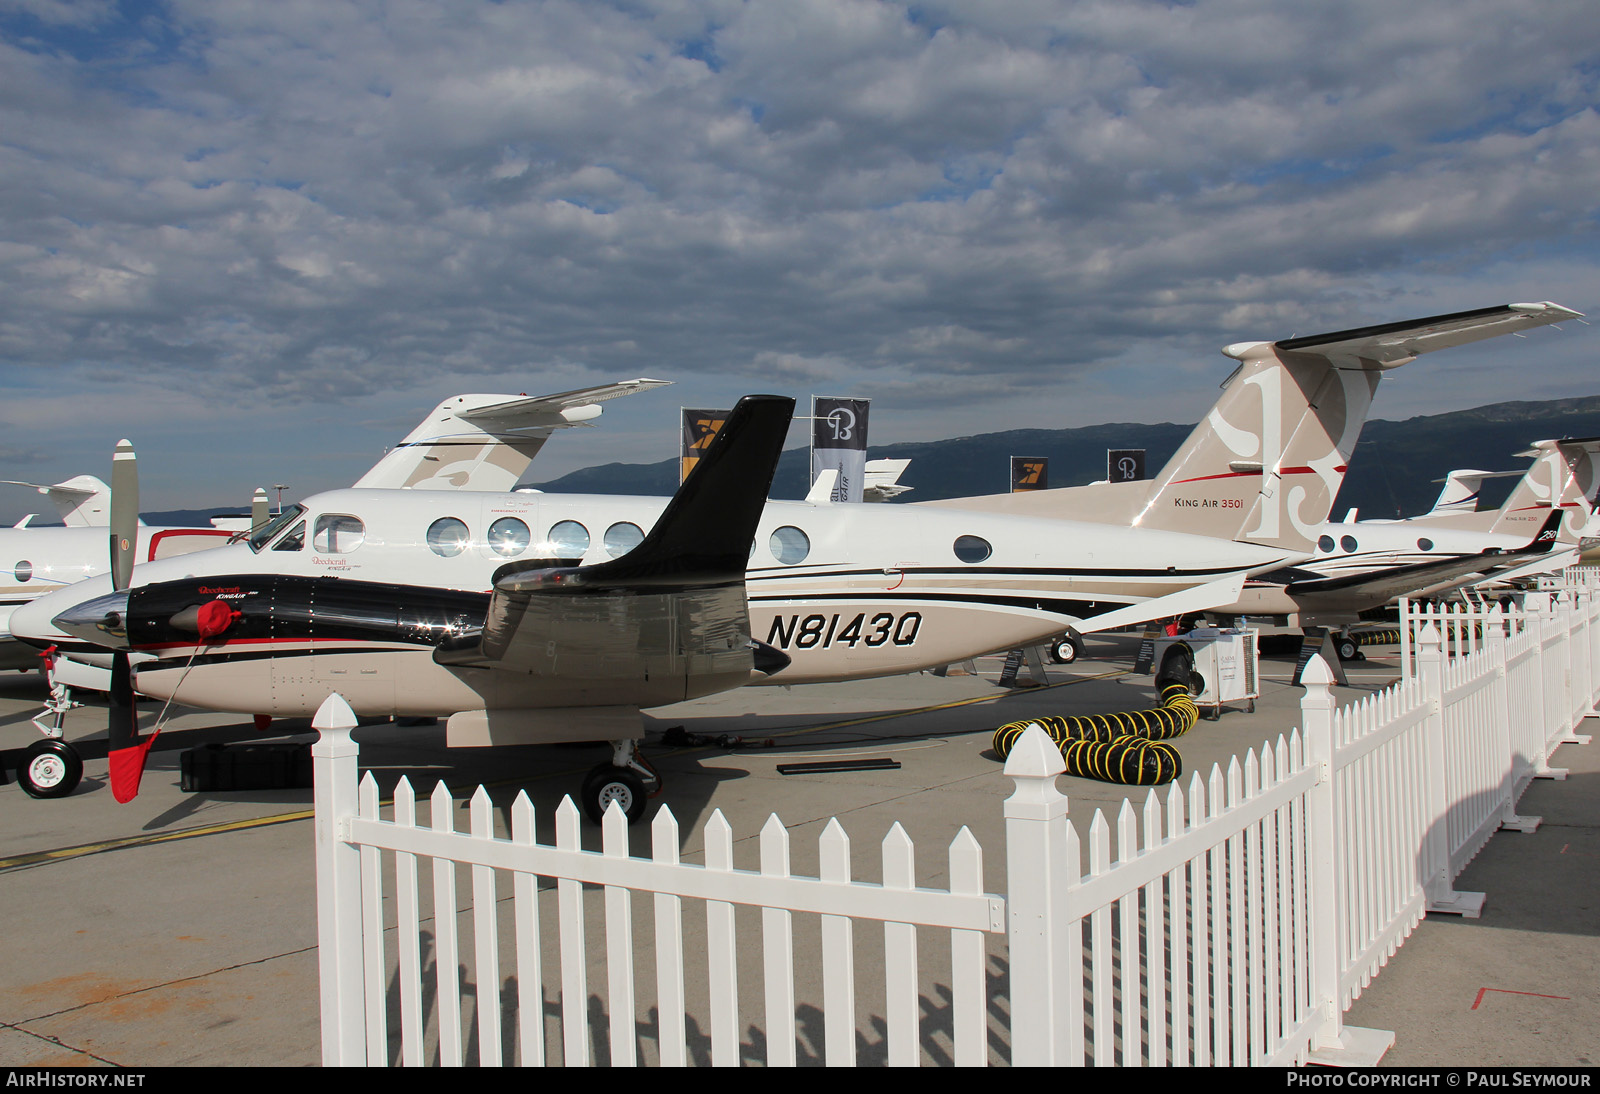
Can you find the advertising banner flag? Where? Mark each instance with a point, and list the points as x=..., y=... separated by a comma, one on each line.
x=1029, y=473
x=839, y=442
x=699, y=426
x=1124, y=464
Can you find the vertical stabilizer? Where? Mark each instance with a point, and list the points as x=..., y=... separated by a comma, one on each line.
x=1266, y=463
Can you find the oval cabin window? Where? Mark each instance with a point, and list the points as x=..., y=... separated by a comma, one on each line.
x=509, y=537
x=621, y=538
x=448, y=537
x=789, y=545
x=972, y=549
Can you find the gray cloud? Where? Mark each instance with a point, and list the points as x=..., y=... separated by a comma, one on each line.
x=296, y=205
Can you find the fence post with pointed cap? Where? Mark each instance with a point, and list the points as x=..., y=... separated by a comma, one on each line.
x=1332, y=1042
x=334, y=796
x=1045, y=944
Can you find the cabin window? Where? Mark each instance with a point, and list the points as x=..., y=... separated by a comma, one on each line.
x=789, y=545
x=1349, y=544
x=972, y=548
x=338, y=534
x=23, y=571
x=568, y=539
x=1424, y=544
x=621, y=538
x=293, y=540
x=509, y=537
x=448, y=537
x=1325, y=544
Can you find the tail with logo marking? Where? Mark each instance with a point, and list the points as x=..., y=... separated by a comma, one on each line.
x=1266, y=463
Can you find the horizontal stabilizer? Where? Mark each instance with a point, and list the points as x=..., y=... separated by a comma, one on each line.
x=552, y=411
x=1391, y=344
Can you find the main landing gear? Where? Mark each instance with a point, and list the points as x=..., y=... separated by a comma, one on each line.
x=626, y=780
x=1066, y=649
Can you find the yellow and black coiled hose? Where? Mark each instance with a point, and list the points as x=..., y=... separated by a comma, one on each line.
x=1389, y=637
x=1124, y=747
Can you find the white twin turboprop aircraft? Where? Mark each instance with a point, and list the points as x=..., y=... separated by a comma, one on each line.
x=543, y=618
x=467, y=442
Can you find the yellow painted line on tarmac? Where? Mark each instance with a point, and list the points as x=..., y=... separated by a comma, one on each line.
x=61, y=854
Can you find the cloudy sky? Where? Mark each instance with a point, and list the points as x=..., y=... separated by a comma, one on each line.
x=261, y=239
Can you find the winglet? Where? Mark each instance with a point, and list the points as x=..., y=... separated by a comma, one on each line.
x=1546, y=539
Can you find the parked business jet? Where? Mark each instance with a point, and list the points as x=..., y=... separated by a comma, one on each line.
x=1362, y=565
x=529, y=618
x=468, y=442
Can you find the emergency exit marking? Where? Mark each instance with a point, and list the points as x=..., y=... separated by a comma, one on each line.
x=1507, y=991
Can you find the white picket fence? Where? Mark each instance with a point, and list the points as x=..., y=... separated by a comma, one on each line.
x=1235, y=922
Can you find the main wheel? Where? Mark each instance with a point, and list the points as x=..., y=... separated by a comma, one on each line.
x=607, y=784
x=1065, y=650
x=1347, y=649
x=50, y=769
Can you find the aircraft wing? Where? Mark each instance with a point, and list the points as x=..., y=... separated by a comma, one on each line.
x=1392, y=344
x=667, y=621
x=1399, y=581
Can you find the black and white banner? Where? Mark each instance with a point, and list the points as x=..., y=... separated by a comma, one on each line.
x=1124, y=464
x=839, y=443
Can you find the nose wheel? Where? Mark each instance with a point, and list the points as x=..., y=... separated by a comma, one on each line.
x=50, y=768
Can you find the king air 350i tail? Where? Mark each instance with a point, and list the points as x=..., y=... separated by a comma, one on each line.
x=1266, y=463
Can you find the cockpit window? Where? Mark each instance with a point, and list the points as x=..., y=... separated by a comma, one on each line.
x=338, y=534
x=268, y=531
x=295, y=540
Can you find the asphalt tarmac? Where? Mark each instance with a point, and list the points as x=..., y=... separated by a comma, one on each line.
x=179, y=930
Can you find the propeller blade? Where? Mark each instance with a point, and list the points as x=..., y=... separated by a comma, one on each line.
x=127, y=752
x=259, y=514
x=124, y=514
